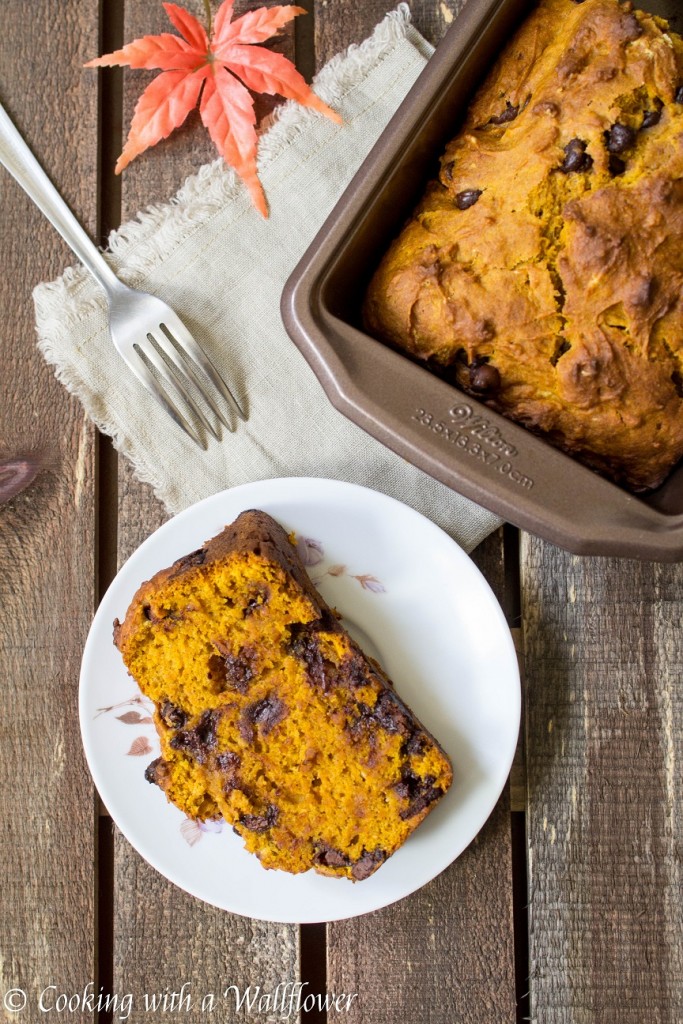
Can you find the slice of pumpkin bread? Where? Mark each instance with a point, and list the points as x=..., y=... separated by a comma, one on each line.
x=270, y=715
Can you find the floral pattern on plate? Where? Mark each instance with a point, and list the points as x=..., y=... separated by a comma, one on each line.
x=312, y=554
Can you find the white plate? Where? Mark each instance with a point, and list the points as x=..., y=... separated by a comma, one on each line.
x=413, y=599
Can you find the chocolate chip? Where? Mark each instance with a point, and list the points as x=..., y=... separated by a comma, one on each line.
x=233, y=670
x=653, y=117
x=619, y=137
x=354, y=670
x=468, y=198
x=575, y=157
x=304, y=644
x=368, y=863
x=260, y=822
x=415, y=744
x=509, y=114
x=227, y=761
x=197, y=557
x=423, y=800
x=447, y=170
x=206, y=729
x=412, y=785
x=172, y=716
x=327, y=856
x=419, y=791
x=483, y=377
x=198, y=742
x=228, y=764
x=678, y=97
x=616, y=165
x=265, y=714
x=388, y=713
x=156, y=771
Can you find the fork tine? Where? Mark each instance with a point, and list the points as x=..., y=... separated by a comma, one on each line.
x=178, y=329
x=159, y=338
x=151, y=355
x=185, y=365
x=147, y=378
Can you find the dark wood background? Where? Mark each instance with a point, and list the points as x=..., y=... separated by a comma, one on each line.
x=567, y=909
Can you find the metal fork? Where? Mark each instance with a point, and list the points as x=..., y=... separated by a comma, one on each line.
x=147, y=333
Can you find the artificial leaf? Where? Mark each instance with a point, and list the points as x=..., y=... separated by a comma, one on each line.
x=227, y=111
x=223, y=17
x=163, y=106
x=254, y=26
x=219, y=69
x=165, y=52
x=262, y=70
x=188, y=26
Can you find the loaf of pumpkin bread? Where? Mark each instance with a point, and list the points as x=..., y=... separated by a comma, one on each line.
x=270, y=715
x=543, y=271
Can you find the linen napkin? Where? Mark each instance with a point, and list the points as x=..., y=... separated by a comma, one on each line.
x=223, y=267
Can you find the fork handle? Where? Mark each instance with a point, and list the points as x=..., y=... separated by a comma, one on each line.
x=22, y=165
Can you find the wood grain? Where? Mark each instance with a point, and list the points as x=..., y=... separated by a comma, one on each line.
x=211, y=949
x=603, y=651
x=339, y=23
x=47, y=855
x=446, y=953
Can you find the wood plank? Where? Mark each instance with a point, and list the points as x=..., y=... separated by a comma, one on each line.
x=447, y=952
x=339, y=23
x=211, y=948
x=443, y=954
x=47, y=535
x=603, y=655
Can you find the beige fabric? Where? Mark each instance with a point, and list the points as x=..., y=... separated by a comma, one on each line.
x=223, y=267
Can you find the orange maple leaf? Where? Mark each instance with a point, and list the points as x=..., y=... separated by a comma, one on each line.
x=219, y=69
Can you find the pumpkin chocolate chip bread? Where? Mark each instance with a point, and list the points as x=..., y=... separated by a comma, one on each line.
x=543, y=271
x=270, y=715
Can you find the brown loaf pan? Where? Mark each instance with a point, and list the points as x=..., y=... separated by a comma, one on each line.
x=449, y=435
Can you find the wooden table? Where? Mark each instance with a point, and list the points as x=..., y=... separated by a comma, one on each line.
x=566, y=908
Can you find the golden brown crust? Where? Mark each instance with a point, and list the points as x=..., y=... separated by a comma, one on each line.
x=270, y=715
x=543, y=272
